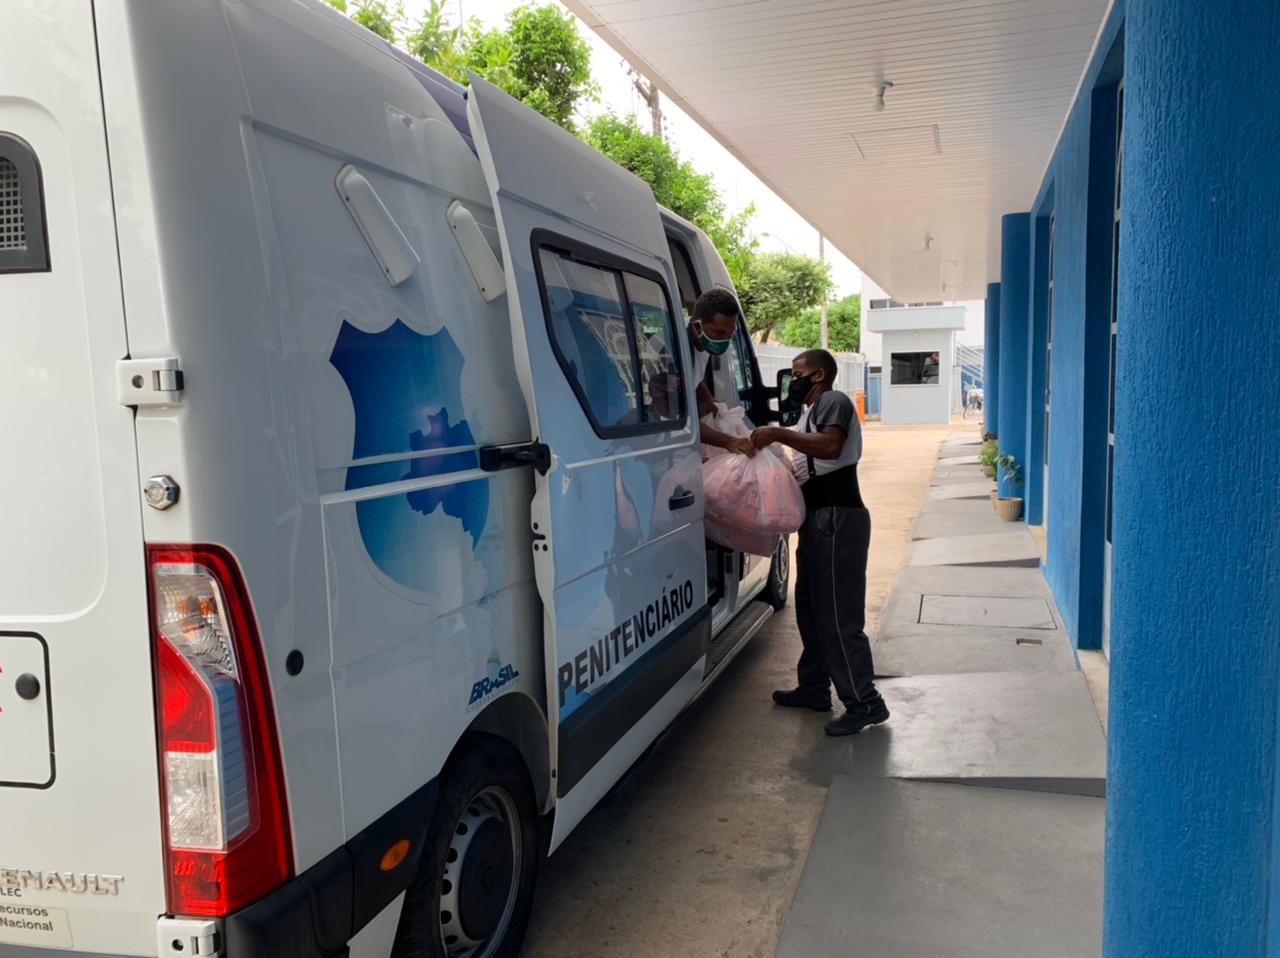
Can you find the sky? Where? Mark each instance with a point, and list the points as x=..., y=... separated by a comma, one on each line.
x=739, y=186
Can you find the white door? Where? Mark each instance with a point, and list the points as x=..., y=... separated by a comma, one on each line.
x=80, y=830
x=617, y=512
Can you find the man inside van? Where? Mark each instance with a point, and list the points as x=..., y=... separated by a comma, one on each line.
x=831, y=555
x=711, y=328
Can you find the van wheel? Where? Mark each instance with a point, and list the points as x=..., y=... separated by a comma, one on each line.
x=775, y=592
x=473, y=892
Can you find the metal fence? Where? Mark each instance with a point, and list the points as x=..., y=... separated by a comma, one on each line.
x=851, y=375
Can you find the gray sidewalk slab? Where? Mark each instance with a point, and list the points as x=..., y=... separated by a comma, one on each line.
x=980, y=520
x=992, y=548
x=935, y=654
x=1028, y=730
x=906, y=645
x=917, y=870
x=970, y=580
x=986, y=611
x=979, y=488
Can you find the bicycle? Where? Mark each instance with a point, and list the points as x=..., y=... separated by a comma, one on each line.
x=972, y=403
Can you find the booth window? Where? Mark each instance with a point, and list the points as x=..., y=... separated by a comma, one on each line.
x=914, y=369
x=613, y=333
x=23, y=246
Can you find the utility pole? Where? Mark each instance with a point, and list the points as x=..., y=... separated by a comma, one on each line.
x=822, y=310
x=649, y=93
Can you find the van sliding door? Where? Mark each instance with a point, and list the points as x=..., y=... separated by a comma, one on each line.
x=616, y=518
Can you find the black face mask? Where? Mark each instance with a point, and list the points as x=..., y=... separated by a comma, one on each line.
x=799, y=389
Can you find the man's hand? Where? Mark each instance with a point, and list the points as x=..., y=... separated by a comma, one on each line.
x=741, y=444
x=764, y=436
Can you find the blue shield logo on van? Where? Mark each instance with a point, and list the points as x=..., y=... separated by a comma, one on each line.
x=405, y=388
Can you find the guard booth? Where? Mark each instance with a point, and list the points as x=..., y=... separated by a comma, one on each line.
x=918, y=357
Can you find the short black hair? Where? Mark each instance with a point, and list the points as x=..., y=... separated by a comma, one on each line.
x=820, y=359
x=716, y=300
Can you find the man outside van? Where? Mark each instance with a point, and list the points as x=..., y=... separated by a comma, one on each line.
x=831, y=556
x=711, y=329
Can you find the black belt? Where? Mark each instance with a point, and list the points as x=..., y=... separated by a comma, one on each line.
x=836, y=488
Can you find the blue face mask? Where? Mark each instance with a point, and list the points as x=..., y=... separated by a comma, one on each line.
x=716, y=347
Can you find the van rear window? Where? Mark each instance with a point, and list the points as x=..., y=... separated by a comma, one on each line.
x=23, y=248
x=614, y=336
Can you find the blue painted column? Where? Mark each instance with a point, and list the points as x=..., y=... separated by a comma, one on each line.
x=991, y=360
x=1015, y=332
x=1192, y=827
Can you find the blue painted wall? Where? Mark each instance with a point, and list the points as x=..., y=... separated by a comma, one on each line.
x=1077, y=190
x=1015, y=305
x=1191, y=801
x=991, y=358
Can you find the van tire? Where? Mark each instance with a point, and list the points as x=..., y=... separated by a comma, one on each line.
x=779, y=584
x=480, y=793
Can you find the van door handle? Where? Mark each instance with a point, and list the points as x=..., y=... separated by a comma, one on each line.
x=682, y=499
x=513, y=455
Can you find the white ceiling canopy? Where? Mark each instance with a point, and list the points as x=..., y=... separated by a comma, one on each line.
x=913, y=194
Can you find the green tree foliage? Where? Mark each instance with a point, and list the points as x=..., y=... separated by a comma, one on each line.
x=539, y=57
x=676, y=184
x=433, y=40
x=844, y=326
x=777, y=287
x=378, y=16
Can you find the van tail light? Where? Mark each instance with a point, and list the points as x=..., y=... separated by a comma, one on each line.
x=227, y=827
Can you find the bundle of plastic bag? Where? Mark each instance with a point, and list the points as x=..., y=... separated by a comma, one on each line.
x=750, y=500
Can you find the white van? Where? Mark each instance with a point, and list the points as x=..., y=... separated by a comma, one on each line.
x=351, y=540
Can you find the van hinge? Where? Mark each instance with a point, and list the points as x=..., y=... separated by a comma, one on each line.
x=149, y=382
x=188, y=936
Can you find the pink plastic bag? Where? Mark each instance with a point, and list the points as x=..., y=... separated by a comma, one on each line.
x=750, y=500
x=742, y=540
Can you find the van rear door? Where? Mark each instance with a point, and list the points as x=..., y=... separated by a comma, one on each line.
x=80, y=839
x=617, y=513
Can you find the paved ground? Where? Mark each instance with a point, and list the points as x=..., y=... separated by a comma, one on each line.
x=699, y=852
x=976, y=814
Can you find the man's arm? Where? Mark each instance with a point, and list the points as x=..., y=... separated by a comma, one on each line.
x=714, y=437
x=706, y=401
x=824, y=444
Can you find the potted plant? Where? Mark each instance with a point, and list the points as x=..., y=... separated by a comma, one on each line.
x=987, y=457
x=1009, y=508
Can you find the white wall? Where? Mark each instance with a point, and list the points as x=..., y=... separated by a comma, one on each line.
x=972, y=335
x=918, y=404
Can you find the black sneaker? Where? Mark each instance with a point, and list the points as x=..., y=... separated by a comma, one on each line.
x=795, y=699
x=851, y=723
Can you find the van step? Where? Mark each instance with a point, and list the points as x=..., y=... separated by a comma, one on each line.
x=735, y=636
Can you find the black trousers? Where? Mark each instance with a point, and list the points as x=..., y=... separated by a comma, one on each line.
x=831, y=606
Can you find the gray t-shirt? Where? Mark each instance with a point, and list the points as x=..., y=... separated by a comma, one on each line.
x=831, y=409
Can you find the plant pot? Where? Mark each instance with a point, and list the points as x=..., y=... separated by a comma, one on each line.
x=988, y=470
x=1009, y=510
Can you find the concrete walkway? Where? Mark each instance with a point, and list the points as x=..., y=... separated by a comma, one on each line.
x=699, y=851
x=971, y=824
x=708, y=847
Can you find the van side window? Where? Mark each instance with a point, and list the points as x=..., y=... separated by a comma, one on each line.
x=23, y=246
x=684, y=274
x=613, y=334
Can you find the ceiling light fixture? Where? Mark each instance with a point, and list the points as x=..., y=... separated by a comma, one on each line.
x=879, y=88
